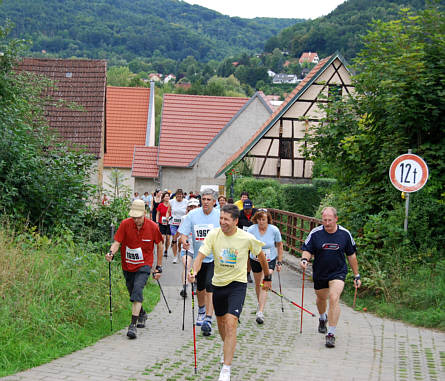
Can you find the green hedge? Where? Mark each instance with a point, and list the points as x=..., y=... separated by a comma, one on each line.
x=298, y=198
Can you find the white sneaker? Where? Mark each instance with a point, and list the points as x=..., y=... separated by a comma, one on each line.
x=224, y=375
x=200, y=318
x=175, y=259
x=259, y=317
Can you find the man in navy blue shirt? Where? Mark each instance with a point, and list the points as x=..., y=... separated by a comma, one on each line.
x=328, y=244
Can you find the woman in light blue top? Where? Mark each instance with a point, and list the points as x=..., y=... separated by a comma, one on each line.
x=264, y=231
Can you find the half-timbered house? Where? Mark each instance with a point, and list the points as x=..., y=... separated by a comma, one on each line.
x=275, y=149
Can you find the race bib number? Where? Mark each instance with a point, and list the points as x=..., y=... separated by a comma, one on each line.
x=134, y=255
x=201, y=231
x=164, y=220
x=176, y=221
x=266, y=253
x=245, y=228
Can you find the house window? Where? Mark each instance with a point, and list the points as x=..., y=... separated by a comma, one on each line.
x=334, y=92
x=286, y=150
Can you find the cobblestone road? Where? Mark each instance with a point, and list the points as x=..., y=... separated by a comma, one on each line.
x=367, y=348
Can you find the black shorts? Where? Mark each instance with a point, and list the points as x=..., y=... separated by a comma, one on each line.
x=256, y=265
x=229, y=299
x=136, y=281
x=164, y=229
x=319, y=284
x=204, y=277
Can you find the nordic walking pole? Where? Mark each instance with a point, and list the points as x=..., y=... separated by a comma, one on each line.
x=185, y=287
x=279, y=282
x=290, y=301
x=193, y=320
x=302, y=298
x=109, y=282
x=162, y=292
x=109, y=286
x=355, y=297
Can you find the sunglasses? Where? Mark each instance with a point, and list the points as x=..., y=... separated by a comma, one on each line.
x=262, y=210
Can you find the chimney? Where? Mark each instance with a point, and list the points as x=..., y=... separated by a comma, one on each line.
x=151, y=127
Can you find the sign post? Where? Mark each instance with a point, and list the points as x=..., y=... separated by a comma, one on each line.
x=408, y=173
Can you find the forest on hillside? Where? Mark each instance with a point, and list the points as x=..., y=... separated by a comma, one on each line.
x=121, y=30
x=342, y=29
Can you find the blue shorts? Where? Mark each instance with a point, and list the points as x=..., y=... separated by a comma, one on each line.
x=189, y=253
x=173, y=229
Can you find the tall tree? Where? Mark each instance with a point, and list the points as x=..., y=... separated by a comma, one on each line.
x=397, y=105
x=42, y=180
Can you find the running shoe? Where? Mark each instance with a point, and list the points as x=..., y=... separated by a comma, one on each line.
x=224, y=375
x=132, y=331
x=206, y=327
x=175, y=259
x=330, y=340
x=259, y=317
x=165, y=253
x=200, y=319
x=322, y=326
x=249, y=278
x=141, y=320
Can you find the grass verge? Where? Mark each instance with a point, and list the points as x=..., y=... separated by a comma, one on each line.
x=417, y=297
x=54, y=299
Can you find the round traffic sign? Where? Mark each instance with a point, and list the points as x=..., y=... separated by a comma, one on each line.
x=408, y=173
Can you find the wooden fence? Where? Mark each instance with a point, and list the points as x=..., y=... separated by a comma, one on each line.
x=294, y=228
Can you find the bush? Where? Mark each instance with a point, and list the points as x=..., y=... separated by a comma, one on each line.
x=257, y=190
x=54, y=295
x=95, y=223
x=300, y=198
x=323, y=185
x=41, y=180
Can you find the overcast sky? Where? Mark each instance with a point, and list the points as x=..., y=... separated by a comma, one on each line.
x=304, y=9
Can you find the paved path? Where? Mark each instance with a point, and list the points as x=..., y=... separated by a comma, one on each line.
x=367, y=348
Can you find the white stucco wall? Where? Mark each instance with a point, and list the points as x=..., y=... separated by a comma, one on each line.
x=143, y=185
x=226, y=144
x=127, y=182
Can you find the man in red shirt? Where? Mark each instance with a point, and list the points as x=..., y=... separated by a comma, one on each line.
x=137, y=235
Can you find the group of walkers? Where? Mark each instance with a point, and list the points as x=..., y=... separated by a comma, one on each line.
x=220, y=243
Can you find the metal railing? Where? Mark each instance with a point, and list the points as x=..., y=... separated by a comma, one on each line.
x=294, y=228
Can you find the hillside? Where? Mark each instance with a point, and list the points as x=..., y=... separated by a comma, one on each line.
x=341, y=29
x=127, y=29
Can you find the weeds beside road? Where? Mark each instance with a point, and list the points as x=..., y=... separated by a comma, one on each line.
x=54, y=299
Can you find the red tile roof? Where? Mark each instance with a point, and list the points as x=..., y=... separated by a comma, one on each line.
x=79, y=83
x=307, y=57
x=190, y=122
x=127, y=113
x=144, y=162
x=267, y=124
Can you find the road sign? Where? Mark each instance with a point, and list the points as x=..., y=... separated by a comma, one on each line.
x=408, y=173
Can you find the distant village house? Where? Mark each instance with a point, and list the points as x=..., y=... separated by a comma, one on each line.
x=309, y=57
